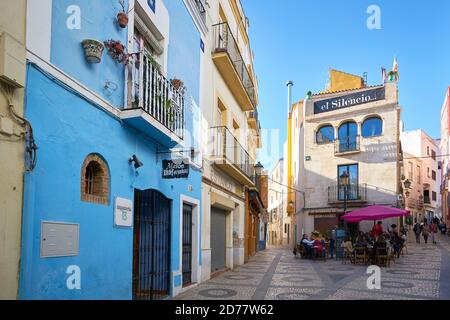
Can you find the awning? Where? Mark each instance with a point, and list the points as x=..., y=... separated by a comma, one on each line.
x=373, y=213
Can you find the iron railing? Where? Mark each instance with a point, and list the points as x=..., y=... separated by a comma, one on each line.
x=201, y=9
x=355, y=192
x=225, y=145
x=426, y=200
x=156, y=95
x=347, y=144
x=224, y=42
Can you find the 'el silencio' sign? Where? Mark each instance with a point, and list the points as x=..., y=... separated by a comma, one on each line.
x=349, y=100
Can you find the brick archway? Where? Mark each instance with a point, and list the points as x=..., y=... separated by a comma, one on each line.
x=95, y=180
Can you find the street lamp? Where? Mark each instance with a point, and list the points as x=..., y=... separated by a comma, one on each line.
x=407, y=184
x=344, y=180
x=258, y=169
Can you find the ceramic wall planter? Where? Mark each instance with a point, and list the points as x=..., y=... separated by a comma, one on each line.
x=93, y=50
x=122, y=19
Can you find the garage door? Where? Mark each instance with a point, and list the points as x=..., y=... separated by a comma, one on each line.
x=218, y=239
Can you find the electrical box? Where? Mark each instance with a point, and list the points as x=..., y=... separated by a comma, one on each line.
x=6, y=126
x=59, y=239
x=12, y=61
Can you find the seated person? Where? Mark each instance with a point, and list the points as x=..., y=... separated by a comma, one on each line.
x=308, y=245
x=319, y=247
x=347, y=245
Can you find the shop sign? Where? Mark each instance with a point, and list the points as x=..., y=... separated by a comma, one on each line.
x=172, y=169
x=351, y=100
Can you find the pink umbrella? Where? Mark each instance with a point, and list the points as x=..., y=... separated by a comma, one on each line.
x=374, y=213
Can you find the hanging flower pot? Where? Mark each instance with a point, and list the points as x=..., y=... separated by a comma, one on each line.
x=122, y=19
x=93, y=50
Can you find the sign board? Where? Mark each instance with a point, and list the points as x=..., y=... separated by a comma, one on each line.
x=123, y=212
x=172, y=169
x=350, y=100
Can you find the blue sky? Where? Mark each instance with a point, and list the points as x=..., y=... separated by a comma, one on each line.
x=300, y=40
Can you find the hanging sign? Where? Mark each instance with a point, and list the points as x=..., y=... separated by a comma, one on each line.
x=349, y=100
x=175, y=169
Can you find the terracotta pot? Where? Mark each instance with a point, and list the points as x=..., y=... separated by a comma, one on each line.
x=177, y=83
x=122, y=19
x=93, y=50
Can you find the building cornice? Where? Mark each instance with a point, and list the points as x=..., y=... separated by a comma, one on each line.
x=196, y=16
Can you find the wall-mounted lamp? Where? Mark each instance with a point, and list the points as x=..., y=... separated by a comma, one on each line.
x=137, y=162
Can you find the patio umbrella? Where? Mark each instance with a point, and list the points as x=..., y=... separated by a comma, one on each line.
x=374, y=213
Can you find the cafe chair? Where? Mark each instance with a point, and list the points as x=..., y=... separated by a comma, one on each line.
x=360, y=255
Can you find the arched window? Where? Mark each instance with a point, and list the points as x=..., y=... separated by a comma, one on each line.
x=348, y=136
x=95, y=180
x=325, y=135
x=372, y=127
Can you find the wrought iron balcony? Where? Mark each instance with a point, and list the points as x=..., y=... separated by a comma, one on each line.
x=201, y=9
x=253, y=120
x=231, y=65
x=347, y=145
x=426, y=200
x=355, y=193
x=229, y=155
x=155, y=106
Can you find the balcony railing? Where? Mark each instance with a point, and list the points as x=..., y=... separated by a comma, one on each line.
x=224, y=42
x=156, y=95
x=426, y=200
x=347, y=145
x=201, y=9
x=355, y=192
x=226, y=146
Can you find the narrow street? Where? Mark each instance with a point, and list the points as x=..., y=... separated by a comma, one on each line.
x=275, y=274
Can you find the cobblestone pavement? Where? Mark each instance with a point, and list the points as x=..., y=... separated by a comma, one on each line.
x=275, y=274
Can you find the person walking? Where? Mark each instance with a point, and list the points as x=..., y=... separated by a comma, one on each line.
x=433, y=231
x=417, y=231
x=332, y=236
x=425, y=231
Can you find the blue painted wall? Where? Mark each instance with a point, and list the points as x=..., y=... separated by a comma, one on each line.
x=98, y=21
x=68, y=128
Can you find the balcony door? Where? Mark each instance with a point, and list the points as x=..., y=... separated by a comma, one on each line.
x=348, y=135
x=352, y=190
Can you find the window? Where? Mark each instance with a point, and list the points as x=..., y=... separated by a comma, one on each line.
x=352, y=171
x=410, y=173
x=418, y=174
x=434, y=196
x=372, y=127
x=348, y=136
x=325, y=135
x=428, y=151
x=433, y=155
x=95, y=180
x=428, y=172
x=433, y=175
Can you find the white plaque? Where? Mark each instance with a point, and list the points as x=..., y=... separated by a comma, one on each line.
x=123, y=212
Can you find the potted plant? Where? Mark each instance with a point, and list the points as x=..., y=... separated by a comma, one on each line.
x=93, y=50
x=117, y=51
x=177, y=83
x=122, y=17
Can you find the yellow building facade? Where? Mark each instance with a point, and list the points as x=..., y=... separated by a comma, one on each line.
x=12, y=141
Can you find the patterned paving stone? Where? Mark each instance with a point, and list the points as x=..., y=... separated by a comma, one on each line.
x=422, y=273
x=217, y=292
x=296, y=280
x=291, y=293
